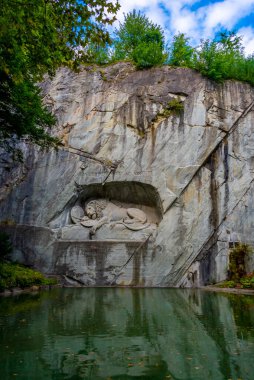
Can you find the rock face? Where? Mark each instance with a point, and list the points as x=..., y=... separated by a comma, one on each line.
x=187, y=172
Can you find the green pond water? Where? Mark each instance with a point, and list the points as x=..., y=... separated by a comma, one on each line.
x=110, y=333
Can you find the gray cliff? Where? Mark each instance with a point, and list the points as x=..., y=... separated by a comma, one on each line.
x=169, y=189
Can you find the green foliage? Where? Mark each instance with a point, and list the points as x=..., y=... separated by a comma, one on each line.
x=139, y=40
x=36, y=37
x=147, y=55
x=181, y=53
x=16, y=275
x=5, y=245
x=246, y=282
x=237, y=277
x=220, y=59
x=227, y=284
x=22, y=113
x=59, y=32
x=100, y=55
x=103, y=76
x=174, y=107
x=237, y=257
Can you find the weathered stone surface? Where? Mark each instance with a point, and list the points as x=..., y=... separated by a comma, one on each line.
x=101, y=262
x=77, y=213
x=191, y=174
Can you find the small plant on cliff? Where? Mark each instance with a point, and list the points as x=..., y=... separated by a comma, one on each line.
x=174, y=107
x=237, y=276
x=237, y=258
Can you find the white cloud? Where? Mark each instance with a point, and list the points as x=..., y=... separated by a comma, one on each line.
x=150, y=7
x=225, y=14
x=127, y=6
x=177, y=16
x=172, y=15
x=184, y=22
x=157, y=15
x=248, y=39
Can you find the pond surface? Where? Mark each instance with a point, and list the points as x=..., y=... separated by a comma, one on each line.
x=109, y=333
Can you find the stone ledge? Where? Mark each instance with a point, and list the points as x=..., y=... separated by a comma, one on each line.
x=228, y=290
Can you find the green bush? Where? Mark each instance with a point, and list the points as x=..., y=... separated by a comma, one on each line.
x=247, y=281
x=174, y=107
x=237, y=257
x=220, y=59
x=99, y=54
x=147, y=55
x=15, y=275
x=237, y=277
x=180, y=52
x=227, y=284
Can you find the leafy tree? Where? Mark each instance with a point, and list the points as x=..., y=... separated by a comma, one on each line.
x=220, y=58
x=101, y=55
x=181, y=53
x=246, y=69
x=36, y=37
x=146, y=55
x=140, y=40
x=22, y=113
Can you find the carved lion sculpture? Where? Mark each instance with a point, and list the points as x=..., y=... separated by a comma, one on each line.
x=100, y=212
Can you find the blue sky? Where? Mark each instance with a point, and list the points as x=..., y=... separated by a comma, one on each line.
x=198, y=18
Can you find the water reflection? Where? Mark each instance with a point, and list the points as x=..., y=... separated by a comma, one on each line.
x=75, y=334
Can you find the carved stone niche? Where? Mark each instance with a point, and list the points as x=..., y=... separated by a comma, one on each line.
x=116, y=210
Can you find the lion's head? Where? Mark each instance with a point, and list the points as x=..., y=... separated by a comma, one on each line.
x=91, y=210
x=94, y=208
